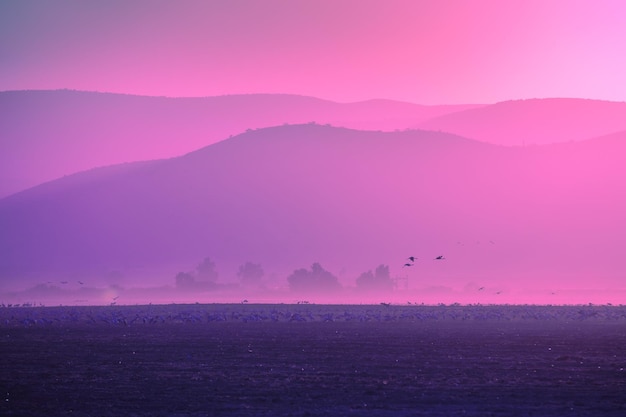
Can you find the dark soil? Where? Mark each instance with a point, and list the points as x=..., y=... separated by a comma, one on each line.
x=312, y=361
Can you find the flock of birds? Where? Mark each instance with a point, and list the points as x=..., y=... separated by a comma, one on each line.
x=66, y=282
x=415, y=258
x=199, y=313
x=412, y=260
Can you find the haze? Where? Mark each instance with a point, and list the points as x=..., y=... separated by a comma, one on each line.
x=205, y=151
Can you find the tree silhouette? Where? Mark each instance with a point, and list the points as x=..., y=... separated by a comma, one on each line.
x=380, y=280
x=316, y=280
x=185, y=281
x=250, y=274
x=206, y=270
x=204, y=279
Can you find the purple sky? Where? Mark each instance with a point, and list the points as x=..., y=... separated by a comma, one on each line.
x=425, y=51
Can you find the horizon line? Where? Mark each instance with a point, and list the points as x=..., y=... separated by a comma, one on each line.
x=309, y=96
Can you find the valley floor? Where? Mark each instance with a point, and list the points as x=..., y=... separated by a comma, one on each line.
x=313, y=360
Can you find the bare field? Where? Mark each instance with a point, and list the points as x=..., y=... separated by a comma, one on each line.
x=313, y=360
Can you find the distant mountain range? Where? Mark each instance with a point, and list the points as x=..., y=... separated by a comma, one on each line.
x=47, y=134
x=288, y=196
x=534, y=122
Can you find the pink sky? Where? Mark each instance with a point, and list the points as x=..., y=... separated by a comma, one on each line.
x=422, y=51
x=425, y=51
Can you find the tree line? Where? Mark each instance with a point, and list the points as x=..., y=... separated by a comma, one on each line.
x=302, y=280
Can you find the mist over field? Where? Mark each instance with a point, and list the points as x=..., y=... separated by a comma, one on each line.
x=312, y=208
x=318, y=213
x=416, y=151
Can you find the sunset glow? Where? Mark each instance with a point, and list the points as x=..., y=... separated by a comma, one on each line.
x=424, y=51
x=139, y=139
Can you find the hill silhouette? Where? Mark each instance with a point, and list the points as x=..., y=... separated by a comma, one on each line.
x=289, y=196
x=534, y=121
x=48, y=134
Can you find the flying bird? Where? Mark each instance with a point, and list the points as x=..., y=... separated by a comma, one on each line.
x=407, y=264
x=481, y=288
x=440, y=257
x=412, y=258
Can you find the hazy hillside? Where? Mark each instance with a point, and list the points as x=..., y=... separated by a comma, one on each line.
x=47, y=134
x=292, y=195
x=536, y=121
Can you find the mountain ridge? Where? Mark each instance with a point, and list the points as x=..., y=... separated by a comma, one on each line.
x=288, y=196
x=534, y=121
x=48, y=134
